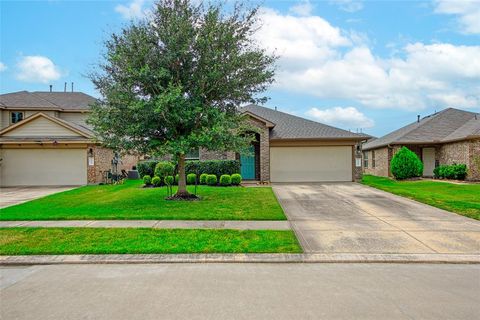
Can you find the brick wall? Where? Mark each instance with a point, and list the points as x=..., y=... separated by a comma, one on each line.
x=463, y=152
x=382, y=162
x=103, y=162
x=216, y=155
x=474, y=162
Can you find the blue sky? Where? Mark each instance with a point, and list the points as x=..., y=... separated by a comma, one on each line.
x=369, y=65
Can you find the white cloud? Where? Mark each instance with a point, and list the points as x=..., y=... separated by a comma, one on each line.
x=348, y=117
x=37, y=69
x=348, y=5
x=322, y=60
x=303, y=8
x=133, y=10
x=3, y=67
x=467, y=12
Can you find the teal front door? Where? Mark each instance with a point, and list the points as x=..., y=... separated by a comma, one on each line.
x=247, y=165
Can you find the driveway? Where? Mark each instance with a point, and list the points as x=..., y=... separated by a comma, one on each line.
x=353, y=218
x=16, y=195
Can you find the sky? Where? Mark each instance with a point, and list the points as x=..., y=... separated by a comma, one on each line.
x=369, y=66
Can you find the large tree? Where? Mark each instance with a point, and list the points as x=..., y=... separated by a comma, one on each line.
x=173, y=82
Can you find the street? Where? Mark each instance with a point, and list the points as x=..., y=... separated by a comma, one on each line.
x=241, y=291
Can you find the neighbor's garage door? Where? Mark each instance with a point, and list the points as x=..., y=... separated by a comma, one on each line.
x=43, y=167
x=311, y=164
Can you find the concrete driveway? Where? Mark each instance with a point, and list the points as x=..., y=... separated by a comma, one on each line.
x=352, y=218
x=16, y=195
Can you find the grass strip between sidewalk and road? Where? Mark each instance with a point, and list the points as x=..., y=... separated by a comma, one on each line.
x=130, y=201
x=40, y=241
x=463, y=199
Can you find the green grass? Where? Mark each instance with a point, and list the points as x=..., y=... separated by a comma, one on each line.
x=131, y=201
x=463, y=199
x=26, y=241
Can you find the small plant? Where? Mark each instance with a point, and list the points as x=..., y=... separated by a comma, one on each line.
x=454, y=171
x=169, y=180
x=147, y=180
x=191, y=178
x=212, y=180
x=163, y=169
x=203, y=178
x=236, y=179
x=156, y=181
x=406, y=164
x=225, y=180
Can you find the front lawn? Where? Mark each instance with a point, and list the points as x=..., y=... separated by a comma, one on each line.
x=460, y=198
x=26, y=241
x=131, y=201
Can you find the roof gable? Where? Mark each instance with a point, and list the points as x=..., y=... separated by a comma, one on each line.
x=42, y=125
x=288, y=126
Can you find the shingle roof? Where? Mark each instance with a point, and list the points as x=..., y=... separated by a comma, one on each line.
x=288, y=126
x=46, y=100
x=447, y=125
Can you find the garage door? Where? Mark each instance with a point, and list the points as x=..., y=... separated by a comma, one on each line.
x=43, y=167
x=311, y=164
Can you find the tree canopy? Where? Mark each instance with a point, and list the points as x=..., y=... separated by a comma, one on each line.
x=172, y=82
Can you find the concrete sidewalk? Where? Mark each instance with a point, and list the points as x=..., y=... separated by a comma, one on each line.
x=157, y=224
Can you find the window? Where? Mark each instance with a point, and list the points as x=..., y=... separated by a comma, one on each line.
x=365, y=159
x=16, y=116
x=193, y=155
x=373, y=158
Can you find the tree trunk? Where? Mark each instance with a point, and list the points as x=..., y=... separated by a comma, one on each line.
x=182, y=181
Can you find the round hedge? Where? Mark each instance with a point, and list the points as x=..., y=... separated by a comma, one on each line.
x=147, y=180
x=405, y=164
x=236, y=179
x=168, y=180
x=225, y=180
x=203, y=178
x=156, y=181
x=191, y=178
x=212, y=180
x=163, y=169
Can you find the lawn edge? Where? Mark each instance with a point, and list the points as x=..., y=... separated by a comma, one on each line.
x=239, y=258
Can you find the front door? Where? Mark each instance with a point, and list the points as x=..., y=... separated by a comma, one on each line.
x=428, y=157
x=247, y=165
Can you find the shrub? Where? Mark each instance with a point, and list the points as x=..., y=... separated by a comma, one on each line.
x=146, y=168
x=203, y=178
x=454, y=171
x=406, y=164
x=191, y=178
x=236, y=179
x=147, y=180
x=164, y=168
x=168, y=180
x=216, y=167
x=156, y=181
x=225, y=180
x=212, y=180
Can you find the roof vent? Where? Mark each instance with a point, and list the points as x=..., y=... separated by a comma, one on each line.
x=51, y=88
x=418, y=118
x=65, y=87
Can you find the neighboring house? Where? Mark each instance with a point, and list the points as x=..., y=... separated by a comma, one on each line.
x=44, y=140
x=293, y=149
x=446, y=137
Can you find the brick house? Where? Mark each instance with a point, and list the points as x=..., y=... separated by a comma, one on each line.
x=446, y=137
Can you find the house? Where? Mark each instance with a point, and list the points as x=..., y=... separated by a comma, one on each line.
x=293, y=149
x=44, y=140
x=446, y=137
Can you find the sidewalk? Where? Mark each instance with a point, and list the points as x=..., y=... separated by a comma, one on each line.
x=157, y=224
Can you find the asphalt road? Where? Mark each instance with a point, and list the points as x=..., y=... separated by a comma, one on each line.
x=241, y=291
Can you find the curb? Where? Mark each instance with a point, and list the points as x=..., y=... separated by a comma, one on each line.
x=238, y=258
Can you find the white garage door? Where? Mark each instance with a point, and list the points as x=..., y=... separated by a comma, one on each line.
x=43, y=167
x=311, y=164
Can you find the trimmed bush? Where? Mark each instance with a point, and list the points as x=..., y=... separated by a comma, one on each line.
x=191, y=178
x=216, y=167
x=225, y=180
x=212, y=180
x=454, y=171
x=236, y=179
x=203, y=178
x=406, y=164
x=164, y=168
x=169, y=180
x=156, y=181
x=147, y=180
x=146, y=168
